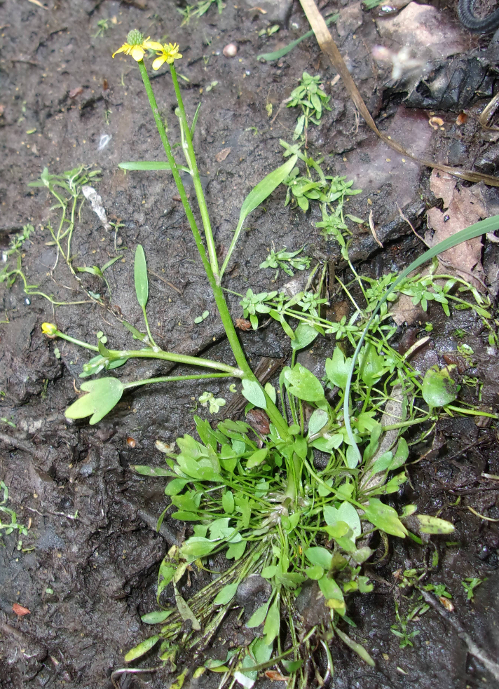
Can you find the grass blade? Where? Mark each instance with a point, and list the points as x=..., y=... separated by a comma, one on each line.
x=256, y=197
x=145, y=165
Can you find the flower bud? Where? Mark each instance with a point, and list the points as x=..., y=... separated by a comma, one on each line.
x=134, y=37
x=49, y=329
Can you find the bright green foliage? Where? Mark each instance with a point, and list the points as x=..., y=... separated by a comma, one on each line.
x=470, y=584
x=439, y=388
x=311, y=98
x=288, y=261
x=104, y=395
x=198, y=8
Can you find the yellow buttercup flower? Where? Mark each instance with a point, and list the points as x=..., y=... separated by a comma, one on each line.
x=49, y=329
x=169, y=53
x=137, y=45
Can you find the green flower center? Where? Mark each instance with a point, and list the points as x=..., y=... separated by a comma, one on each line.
x=134, y=37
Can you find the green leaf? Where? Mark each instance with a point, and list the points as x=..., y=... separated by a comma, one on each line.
x=226, y=594
x=258, y=616
x=272, y=622
x=330, y=589
x=141, y=280
x=372, y=366
x=145, y=165
x=269, y=571
x=384, y=517
x=480, y=228
x=319, y=556
x=103, y=395
x=434, y=525
x=196, y=547
x=358, y=648
x=185, y=611
x=304, y=335
x=317, y=421
x=236, y=550
x=257, y=458
x=175, y=485
x=256, y=197
x=228, y=502
x=315, y=572
x=254, y=393
x=303, y=384
x=156, y=617
x=439, y=388
x=337, y=369
x=142, y=648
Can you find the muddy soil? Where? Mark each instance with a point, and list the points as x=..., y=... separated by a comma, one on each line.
x=87, y=568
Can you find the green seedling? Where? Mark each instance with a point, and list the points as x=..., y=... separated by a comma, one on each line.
x=400, y=629
x=13, y=524
x=288, y=261
x=470, y=584
x=202, y=317
x=198, y=8
x=208, y=399
x=310, y=97
x=270, y=30
x=103, y=25
x=99, y=272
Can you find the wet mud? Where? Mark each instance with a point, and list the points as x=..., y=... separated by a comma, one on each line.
x=87, y=568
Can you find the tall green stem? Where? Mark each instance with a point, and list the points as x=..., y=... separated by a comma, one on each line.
x=272, y=410
x=191, y=159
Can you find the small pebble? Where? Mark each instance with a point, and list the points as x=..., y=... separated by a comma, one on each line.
x=230, y=50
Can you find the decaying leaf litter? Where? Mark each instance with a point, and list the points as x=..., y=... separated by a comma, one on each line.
x=56, y=483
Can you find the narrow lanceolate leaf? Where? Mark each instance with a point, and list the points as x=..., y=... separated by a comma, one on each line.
x=358, y=648
x=226, y=594
x=142, y=648
x=140, y=274
x=145, y=165
x=434, y=525
x=257, y=196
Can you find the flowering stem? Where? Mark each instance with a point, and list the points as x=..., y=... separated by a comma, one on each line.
x=247, y=373
x=173, y=165
x=177, y=358
x=191, y=157
x=58, y=333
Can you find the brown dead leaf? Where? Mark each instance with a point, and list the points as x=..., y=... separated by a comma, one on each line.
x=222, y=155
x=20, y=610
x=276, y=676
x=462, y=208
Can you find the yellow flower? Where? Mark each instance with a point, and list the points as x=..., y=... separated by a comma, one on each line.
x=49, y=329
x=136, y=45
x=169, y=53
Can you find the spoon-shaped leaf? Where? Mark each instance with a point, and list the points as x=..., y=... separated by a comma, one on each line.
x=103, y=395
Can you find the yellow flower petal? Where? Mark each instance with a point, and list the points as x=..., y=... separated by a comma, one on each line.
x=158, y=62
x=124, y=48
x=137, y=52
x=49, y=329
x=153, y=45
